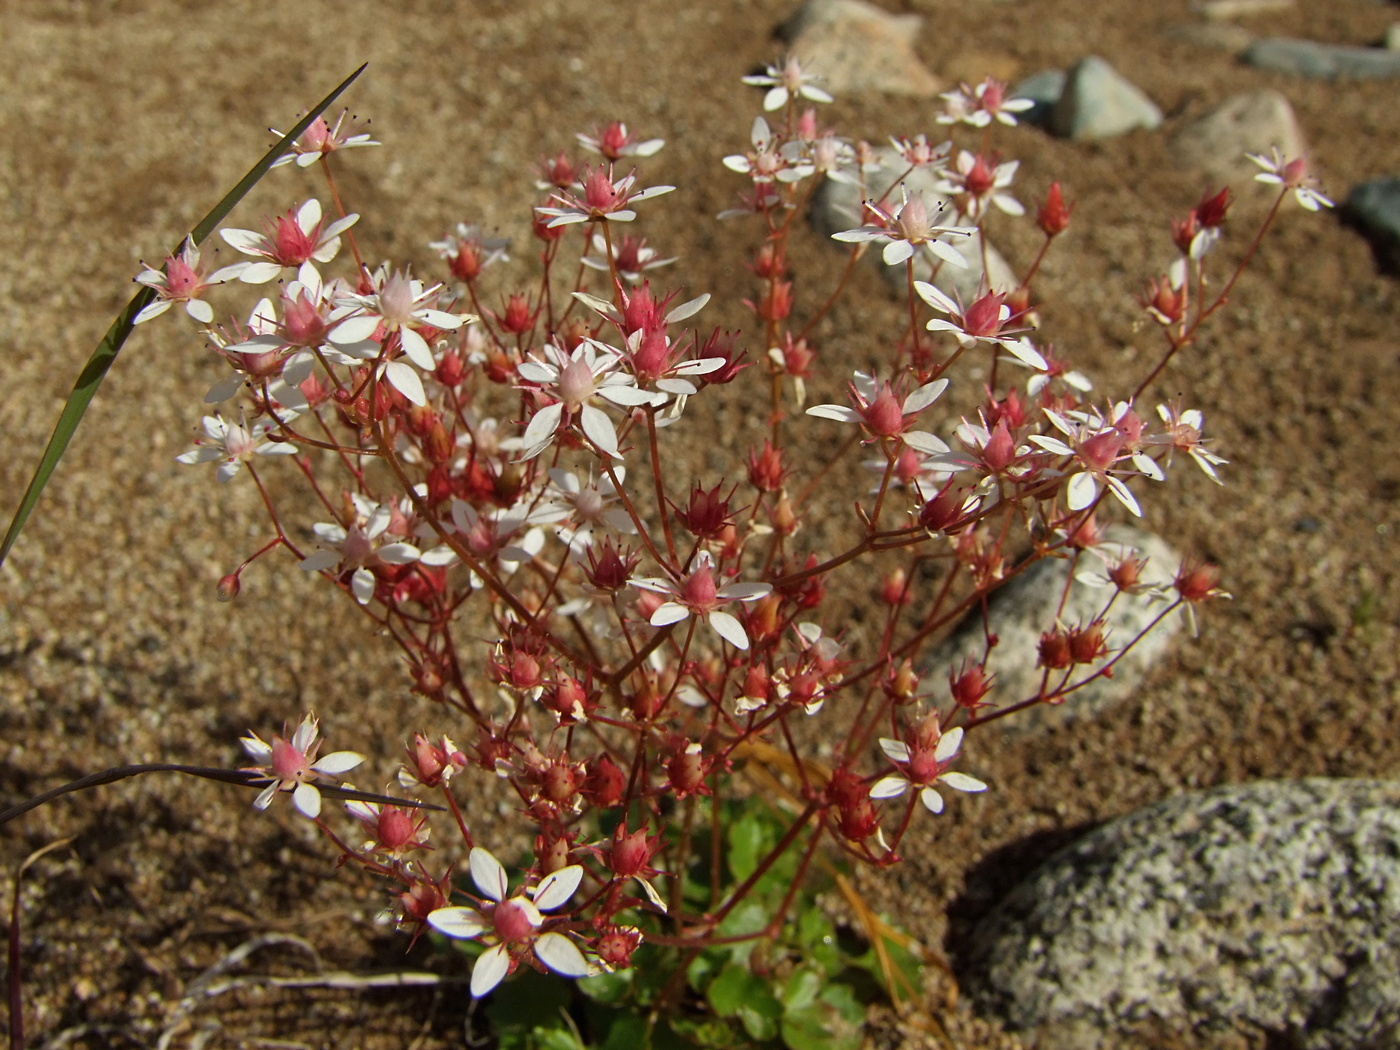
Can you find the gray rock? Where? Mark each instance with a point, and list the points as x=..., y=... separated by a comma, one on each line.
x=1272, y=906
x=1044, y=89
x=1099, y=103
x=1374, y=208
x=1253, y=122
x=1222, y=10
x=858, y=48
x=1306, y=58
x=1218, y=35
x=837, y=207
x=1020, y=611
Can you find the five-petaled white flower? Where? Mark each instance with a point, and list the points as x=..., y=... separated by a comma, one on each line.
x=512, y=926
x=361, y=547
x=981, y=105
x=233, y=443
x=398, y=303
x=697, y=594
x=1291, y=175
x=183, y=280
x=1097, y=445
x=907, y=230
x=786, y=82
x=604, y=199
x=590, y=371
x=321, y=139
x=292, y=766
x=985, y=320
x=923, y=767
x=880, y=411
x=290, y=241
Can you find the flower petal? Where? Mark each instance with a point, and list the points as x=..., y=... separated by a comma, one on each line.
x=490, y=970
x=889, y=787
x=962, y=782
x=458, y=922
x=561, y=955
x=307, y=799
x=487, y=873
x=728, y=628
x=557, y=887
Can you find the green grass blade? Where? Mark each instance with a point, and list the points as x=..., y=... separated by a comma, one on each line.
x=101, y=360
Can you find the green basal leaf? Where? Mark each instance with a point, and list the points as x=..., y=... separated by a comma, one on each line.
x=821, y=1025
x=762, y=1015
x=749, y=917
x=93, y=373
x=749, y=838
x=727, y=992
x=607, y=987
x=817, y=938
x=905, y=966
x=706, y=1032
x=627, y=1031
x=561, y=1038
x=802, y=989
x=529, y=1000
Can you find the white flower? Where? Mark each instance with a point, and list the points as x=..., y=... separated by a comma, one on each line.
x=906, y=230
x=785, y=83
x=291, y=240
x=232, y=444
x=292, y=765
x=1291, y=175
x=359, y=548
x=590, y=371
x=884, y=415
x=924, y=769
x=183, y=280
x=511, y=926
x=698, y=594
x=399, y=303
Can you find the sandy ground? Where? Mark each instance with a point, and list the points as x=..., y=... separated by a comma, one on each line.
x=122, y=122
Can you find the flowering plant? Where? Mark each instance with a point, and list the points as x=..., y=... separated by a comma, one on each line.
x=505, y=466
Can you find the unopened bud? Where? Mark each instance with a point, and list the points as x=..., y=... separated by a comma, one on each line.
x=229, y=586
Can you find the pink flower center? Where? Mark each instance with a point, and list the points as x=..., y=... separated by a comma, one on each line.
x=514, y=920
x=1099, y=451
x=984, y=317
x=292, y=245
x=883, y=416
x=699, y=592
x=302, y=323
x=288, y=763
x=181, y=280
x=576, y=383
x=396, y=301
x=599, y=192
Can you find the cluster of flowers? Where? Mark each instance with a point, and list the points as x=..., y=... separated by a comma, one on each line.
x=514, y=451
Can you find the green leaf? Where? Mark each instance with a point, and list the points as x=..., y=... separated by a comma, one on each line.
x=561, y=1038
x=762, y=1016
x=817, y=937
x=802, y=989
x=90, y=378
x=528, y=999
x=706, y=1032
x=904, y=963
x=749, y=840
x=749, y=917
x=819, y=1026
x=627, y=1031
x=741, y=994
x=728, y=991
x=606, y=987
